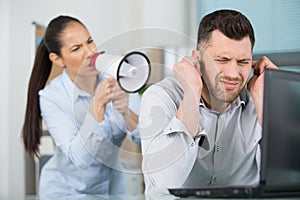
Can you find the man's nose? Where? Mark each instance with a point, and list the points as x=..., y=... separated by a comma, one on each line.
x=232, y=69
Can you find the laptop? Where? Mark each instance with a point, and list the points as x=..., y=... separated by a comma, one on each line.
x=280, y=144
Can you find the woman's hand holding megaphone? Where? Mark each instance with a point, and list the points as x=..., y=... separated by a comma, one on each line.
x=120, y=101
x=110, y=91
x=102, y=96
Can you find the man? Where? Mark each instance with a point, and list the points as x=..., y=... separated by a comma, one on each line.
x=203, y=126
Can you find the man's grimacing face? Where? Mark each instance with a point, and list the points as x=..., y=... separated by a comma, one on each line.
x=227, y=66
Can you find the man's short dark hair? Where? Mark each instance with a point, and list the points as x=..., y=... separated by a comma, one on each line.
x=231, y=23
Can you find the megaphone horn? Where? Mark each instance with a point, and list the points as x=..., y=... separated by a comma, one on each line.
x=132, y=71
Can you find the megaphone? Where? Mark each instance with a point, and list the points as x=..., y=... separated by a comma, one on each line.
x=132, y=71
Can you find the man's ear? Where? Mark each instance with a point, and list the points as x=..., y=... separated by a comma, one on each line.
x=196, y=54
x=57, y=60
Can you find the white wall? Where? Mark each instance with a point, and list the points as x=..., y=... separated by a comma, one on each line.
x=4, y=100
x=105, y=20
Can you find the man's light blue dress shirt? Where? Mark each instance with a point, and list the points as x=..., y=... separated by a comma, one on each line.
x=86, y=158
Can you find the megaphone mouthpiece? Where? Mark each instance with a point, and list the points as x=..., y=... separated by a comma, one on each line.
x=93, y=59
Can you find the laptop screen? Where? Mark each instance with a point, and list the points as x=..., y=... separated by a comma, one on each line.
x=281, y=130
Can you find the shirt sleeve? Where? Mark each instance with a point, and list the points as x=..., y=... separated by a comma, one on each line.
x=81, y=145
x=169, y=150
x=134, y=106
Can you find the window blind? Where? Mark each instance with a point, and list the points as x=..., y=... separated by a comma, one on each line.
x=276, y=23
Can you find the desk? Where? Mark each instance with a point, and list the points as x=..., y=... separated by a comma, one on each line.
x=129, y=197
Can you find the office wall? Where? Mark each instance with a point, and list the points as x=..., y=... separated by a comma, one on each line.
x=105, y=20
x=4, y=114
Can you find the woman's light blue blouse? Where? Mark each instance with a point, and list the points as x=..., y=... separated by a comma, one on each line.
x=86, y=158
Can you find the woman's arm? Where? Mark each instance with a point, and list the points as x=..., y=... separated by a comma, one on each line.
x=82, y=142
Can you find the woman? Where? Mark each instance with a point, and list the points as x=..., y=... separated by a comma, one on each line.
x=86, y=113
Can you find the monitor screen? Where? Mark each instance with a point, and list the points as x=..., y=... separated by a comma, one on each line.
x=281, y=130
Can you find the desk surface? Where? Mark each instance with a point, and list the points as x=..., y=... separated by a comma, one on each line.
x=127, y=197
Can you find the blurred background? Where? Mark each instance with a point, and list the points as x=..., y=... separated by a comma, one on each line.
x=165, y=29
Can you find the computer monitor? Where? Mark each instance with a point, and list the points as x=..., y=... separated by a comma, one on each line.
x=281, y=124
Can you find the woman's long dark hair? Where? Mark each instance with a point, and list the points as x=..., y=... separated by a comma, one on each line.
x=32, y=127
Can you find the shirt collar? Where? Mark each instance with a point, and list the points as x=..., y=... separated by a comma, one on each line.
x=73, y=90
x=68, y=83
x=241, y=100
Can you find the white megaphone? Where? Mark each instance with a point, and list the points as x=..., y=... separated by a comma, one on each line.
x=132, y=71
